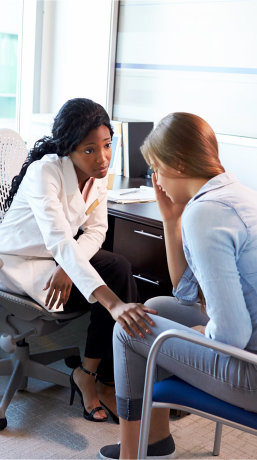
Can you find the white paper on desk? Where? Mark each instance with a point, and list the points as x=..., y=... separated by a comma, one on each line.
x=141, y=194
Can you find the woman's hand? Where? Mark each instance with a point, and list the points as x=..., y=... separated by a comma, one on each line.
x=59, y=286
x=170, y=211
x=133, y=317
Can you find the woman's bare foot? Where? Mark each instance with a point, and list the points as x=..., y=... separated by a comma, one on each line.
x=87, y=386
x=106, y=394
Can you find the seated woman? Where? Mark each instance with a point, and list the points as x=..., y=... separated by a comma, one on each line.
x=210, y=226
x=62, y=188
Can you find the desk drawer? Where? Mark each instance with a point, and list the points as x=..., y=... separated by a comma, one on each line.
x=144, y=247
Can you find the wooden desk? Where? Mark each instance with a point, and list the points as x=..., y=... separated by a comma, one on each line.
x=136, y=231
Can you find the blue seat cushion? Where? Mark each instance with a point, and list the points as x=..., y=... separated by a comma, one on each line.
x=176, y=391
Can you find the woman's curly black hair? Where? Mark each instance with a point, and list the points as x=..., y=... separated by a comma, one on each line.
x=74, y=121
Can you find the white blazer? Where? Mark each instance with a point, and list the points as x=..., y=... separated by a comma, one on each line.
x=39, y=228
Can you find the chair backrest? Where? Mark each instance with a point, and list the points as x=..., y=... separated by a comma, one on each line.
x=13, y=153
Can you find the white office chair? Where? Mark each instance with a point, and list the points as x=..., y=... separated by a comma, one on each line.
x=13, y=153
x=20, y=316
x=177, y=394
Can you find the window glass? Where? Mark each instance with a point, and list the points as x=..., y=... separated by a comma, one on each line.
x=9, y=25
x=193, y=56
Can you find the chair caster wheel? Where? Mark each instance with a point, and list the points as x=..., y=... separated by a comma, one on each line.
x=3, y=423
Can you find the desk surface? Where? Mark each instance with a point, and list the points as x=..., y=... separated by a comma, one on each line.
x=145, y=213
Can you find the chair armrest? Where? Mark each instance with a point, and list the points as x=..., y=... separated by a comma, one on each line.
x=206, y=342
x=193, y=337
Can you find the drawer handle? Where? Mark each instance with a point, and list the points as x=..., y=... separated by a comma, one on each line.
x=139, y=277
x=141, y=232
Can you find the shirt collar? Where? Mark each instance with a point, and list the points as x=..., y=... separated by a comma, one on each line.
x=221, y=180
x=70, y=176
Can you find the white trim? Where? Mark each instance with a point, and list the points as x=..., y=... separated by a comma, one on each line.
x=19, y=65
x=236, y=140
x=7, y=94
x=112, y=55
x=26, y=72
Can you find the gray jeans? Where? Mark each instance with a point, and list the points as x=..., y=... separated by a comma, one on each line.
x=218, y=374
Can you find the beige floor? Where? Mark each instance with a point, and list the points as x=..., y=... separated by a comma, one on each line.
x=42, y=425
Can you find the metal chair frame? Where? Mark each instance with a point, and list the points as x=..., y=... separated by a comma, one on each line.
x=148, y=403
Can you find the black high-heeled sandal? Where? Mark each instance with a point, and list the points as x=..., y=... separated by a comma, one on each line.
x=89, y=415
x=74, y=388
x=112, y=415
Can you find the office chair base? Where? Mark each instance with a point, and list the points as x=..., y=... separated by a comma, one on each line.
x=22, y=365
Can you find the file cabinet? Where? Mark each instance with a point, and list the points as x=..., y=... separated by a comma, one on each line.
x=136, y=231
x=143, y=246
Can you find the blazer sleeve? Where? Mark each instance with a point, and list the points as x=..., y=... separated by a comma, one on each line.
x=95, y=227
x=43, y=189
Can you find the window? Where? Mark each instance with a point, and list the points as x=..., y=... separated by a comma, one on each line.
x=192, y=56
x=51, y=51
x=9, y=34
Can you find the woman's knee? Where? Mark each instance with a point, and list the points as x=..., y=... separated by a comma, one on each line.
x=162, y=304
x=170, y=308
x=106, y=261
x=121, y=264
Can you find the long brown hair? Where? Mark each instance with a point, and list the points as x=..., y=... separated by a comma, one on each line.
x=184, y=141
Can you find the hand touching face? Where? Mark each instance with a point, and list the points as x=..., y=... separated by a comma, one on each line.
x=169, y=209
x=171, y=182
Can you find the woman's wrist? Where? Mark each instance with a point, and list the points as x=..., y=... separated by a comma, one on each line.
x=106, y=297
x=173, y=225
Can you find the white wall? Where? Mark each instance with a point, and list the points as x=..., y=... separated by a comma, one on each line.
x=9, y=20
x=189, y=55
x=196, y=56
x=240, y=158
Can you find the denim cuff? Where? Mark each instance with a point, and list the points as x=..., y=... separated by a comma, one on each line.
x=187, y=289
x=129, y=409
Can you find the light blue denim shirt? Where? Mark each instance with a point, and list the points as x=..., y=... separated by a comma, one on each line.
x=219, y=230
